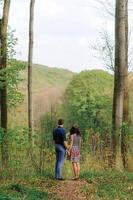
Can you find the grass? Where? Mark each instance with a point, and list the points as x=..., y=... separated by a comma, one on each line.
x=19, y=192
x=102, y=185
x=110, y=185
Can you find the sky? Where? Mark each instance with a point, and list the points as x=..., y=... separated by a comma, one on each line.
x=64, y=31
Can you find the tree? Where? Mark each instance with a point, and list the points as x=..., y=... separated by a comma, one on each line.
x=119, y=81
x=105, y=49
x=107, y=6
x=3, y=90
x=126, y=91
x=87, y=101
x=30, y=58
x=105, y=46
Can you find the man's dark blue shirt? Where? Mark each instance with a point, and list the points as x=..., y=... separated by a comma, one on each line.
x=59, y=135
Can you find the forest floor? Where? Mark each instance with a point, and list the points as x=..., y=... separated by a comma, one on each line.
x=68, y=190
x=106, y=185
x=72, y=190
x=45, y=189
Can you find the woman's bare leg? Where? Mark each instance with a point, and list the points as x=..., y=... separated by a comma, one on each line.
x=78, y=169
x=74, y=169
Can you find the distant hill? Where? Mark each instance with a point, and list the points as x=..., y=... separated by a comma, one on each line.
x=44, y=76
x=49, y=84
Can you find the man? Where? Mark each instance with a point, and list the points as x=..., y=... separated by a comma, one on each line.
x=59, y=137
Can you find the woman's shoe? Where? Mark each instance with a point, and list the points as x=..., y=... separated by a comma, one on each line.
x=74, y=178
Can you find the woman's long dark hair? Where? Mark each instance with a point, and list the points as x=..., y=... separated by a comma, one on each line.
x=75, y=130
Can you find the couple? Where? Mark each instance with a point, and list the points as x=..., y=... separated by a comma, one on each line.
x=61, y=147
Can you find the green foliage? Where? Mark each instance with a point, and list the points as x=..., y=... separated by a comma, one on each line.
x=18, y=192
x=47, y=126
x=14, y=94
x=46, y=81
x=10, y=77
x=19, y=162
x=111, y=185
x=11, y=43
x=49, y=76
x=88, y=100
x=48, y=122
x=44, y=76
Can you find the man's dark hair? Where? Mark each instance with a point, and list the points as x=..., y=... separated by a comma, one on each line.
x=60, y=122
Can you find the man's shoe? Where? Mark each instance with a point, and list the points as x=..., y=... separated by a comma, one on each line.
x=60, y=179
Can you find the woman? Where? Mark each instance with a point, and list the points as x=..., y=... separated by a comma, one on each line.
x=75, y=143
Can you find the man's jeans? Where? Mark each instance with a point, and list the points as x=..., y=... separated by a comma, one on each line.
x=60, y=155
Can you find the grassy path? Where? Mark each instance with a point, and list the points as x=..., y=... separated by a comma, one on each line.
x=71, y=190
x=111, y=185
x=44, y=189
x=64, y=190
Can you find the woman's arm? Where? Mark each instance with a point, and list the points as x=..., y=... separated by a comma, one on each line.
x=71, y=142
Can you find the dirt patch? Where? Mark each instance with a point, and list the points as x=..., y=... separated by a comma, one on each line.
x=71, y=190
x=66, y=189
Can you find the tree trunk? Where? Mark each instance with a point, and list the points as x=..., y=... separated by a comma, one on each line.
x=30, y=58
x=126, y=95
x=120, y=64
x=3, y=91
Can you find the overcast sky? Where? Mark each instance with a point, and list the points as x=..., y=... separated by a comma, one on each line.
x=64, y=31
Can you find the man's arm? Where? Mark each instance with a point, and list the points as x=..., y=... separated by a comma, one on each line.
x=66, y=145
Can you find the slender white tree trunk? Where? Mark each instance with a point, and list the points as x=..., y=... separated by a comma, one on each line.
x=30, y=62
